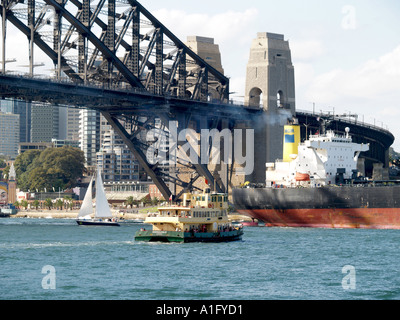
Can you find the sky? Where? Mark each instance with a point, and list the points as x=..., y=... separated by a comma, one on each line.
x=346, y=54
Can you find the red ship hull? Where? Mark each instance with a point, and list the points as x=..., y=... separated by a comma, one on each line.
x=349, y=218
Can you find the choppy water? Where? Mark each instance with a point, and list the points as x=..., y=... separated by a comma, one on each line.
x=106, y=263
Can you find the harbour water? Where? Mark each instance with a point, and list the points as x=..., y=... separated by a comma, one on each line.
x=53, y=259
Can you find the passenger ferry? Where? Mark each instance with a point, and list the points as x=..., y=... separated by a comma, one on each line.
x=200, y=218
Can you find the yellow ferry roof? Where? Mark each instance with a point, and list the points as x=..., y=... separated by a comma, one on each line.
x=174, y=208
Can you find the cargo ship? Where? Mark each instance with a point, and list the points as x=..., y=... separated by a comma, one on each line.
x=319, y=184
x=200, y=218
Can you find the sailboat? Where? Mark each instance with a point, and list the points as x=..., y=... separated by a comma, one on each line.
x=102, y=212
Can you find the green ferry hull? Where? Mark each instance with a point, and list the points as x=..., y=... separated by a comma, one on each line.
x=187, y=237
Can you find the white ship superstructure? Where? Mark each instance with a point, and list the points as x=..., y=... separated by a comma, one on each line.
x=319, y=161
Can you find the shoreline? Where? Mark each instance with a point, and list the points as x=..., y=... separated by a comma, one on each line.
x=60, y=214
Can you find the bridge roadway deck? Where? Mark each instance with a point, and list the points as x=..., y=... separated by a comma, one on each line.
x=137, y=101
x=103, y=98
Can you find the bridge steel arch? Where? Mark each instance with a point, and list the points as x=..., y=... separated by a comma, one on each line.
x=115, y=57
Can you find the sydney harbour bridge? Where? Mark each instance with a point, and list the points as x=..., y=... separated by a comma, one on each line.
x=115, y=57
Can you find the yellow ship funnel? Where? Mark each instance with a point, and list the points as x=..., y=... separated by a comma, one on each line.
x=291, y=141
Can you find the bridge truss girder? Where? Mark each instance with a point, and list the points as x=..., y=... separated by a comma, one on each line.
x=124, y=45
x=123, y=49
x=139, y=109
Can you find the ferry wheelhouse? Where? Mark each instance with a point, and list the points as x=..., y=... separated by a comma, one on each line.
x=200, y=218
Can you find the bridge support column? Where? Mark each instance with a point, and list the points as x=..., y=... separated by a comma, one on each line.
x=270, y=87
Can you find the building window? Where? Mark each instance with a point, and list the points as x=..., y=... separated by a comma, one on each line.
x=280, y=99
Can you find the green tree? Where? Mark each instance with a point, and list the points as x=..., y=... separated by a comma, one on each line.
x=130, y=201
x=6, y=171
x=24, y=160
x=3, y=168
x=59, y=204
x=52, y=167
x=146, y=200
x=37, y=179
x=69, y=202
x=36, y=204
x=48, y=203
x=154, y=201
x=24, y=204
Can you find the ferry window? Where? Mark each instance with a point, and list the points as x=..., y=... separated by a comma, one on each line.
x=203, y=198
x=219, y=199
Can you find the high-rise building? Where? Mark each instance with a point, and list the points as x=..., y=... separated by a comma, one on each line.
x=72, y=126
x=114, y=159
x=23, y=109
x=9, y=134
x=44, y=122
x=89, y=136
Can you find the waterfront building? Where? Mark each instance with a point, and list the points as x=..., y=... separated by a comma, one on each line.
x=120, y=191
x=9, y=134
x=26, y=146
x=55, y=143
x=59, y=143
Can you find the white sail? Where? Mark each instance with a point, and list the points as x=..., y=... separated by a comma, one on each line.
x=102, y=207
x=87, y=204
